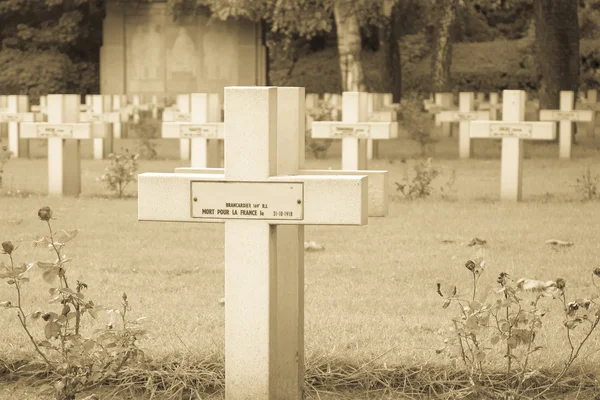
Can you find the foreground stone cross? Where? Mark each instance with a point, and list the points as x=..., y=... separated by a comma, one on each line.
x=100, y=111
x=566, y=116
x=465, y=113
x=14, y=114
x=64, y=134
x=203, y=131
x=512, y=130
x=354, y=130
x=263, y=206
x=290, y=128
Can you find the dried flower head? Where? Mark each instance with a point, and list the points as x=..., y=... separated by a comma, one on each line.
x=597, y=271
x=8, y=247
x=502, y=278
x=45, y=213
x=470, y=265
x=561, y=283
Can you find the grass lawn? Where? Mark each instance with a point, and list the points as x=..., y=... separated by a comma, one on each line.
x=370, y=294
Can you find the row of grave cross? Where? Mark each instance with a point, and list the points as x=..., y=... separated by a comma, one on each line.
x=203, y=130
x=265, y=196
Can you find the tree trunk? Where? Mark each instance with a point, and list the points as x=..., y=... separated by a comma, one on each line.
x=349, y=45
x=557, y=49
x=390, y=44
x=441, y=59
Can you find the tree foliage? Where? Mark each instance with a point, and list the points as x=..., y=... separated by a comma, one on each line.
x=49, y=45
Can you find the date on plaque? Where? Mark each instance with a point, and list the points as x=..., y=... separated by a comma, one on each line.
x=55, y=131
x=198, y=131
x=247, y=200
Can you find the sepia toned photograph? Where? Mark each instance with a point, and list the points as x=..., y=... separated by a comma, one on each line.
x=299, y=200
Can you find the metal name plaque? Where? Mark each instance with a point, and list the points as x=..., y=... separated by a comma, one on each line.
x=198, y=131
x=517, y=130
x=565, y=115
x=10, y=118
x=247, y=200
x=350, y=131
x=55, y=131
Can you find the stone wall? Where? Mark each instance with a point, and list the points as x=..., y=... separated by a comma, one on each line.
x=145, y=52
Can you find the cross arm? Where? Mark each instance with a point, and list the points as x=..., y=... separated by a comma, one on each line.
x=178, y=130
x=109, y=117
x=460, y=116
x=575, y=115
x=522, y=130
x=327, y=200
x=74, y=130
x=360, y=130
x=176, y=116
x=16, y=117
x=378, y=184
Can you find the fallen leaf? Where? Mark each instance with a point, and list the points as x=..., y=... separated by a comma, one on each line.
x=477, y=242
x=556, y=242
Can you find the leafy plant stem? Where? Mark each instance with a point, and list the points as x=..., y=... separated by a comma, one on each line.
x=23, y=318
x=528, y=352
x=508, y=350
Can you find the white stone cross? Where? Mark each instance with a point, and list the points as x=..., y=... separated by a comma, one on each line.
x=377, y=113
x=465, y=113
x=119, y=102
x=334, y=100
x=100, y=111
x=136, y=106
x=15, y=113
x=87, y=106
x=290, y=126
x=180, y=113
x=566, y=116
x=512, y=130
x=64, y=134
x=41, y=110
x=441, y=102
x=203, y=131
x=354, y=129
x=264, y=206
x=493, y=105
x=589, y=101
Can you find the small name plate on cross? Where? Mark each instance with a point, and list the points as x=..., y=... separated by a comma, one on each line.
x=16, y=117
x=247, y=200
x=55, y=131
x=209, y=131
x=350, y=131
x=522, y=130
x=574, y=116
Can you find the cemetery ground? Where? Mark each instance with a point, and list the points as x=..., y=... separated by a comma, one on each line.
x=373, y=318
